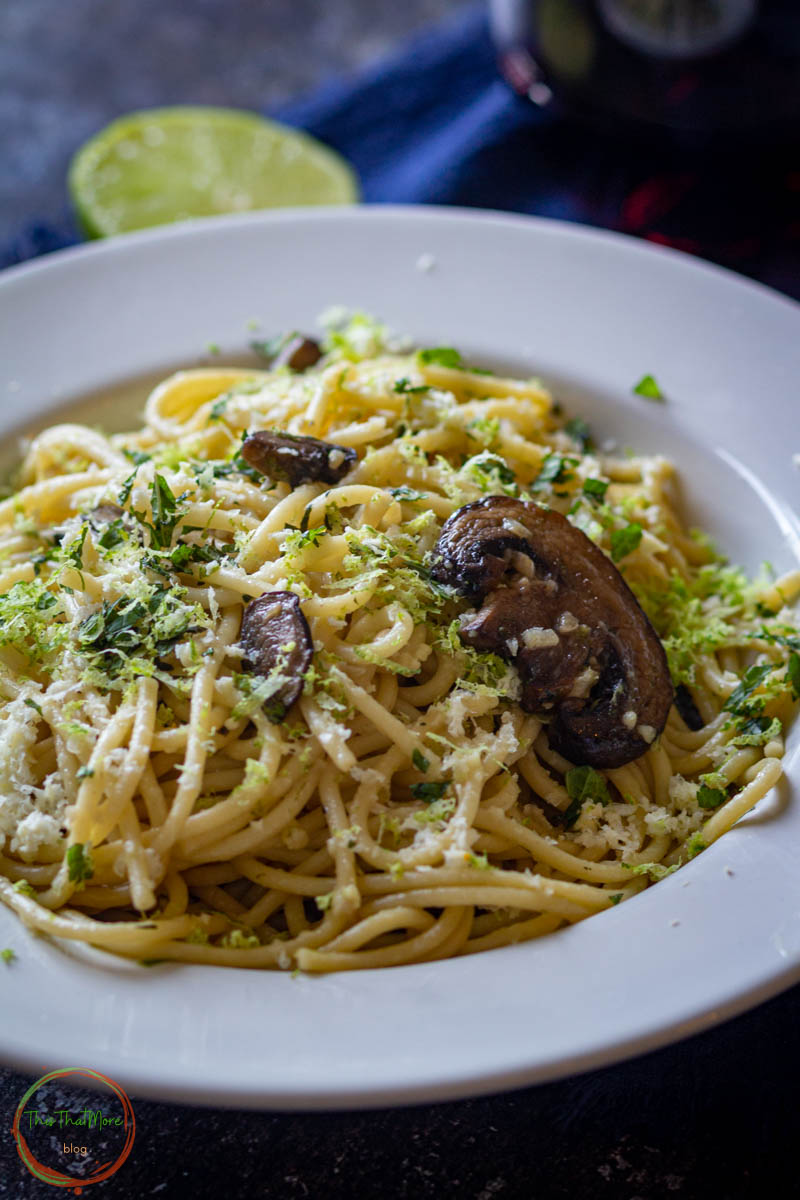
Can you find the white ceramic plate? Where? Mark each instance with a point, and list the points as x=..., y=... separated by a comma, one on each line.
x=591, y=313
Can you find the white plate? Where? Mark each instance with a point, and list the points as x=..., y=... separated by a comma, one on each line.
x=590, y=312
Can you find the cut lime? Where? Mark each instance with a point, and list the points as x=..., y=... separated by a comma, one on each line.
x=168, y=164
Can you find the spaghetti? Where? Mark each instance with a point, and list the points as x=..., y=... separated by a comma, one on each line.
x=404, y=807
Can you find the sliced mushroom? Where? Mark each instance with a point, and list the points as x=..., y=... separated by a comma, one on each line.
x=277, y=645
x=555, y=605
x=299, y=353
x=295, y=459
x=104, y=514
x=295, y=350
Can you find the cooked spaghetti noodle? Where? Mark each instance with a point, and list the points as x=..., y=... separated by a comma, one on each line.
x=405, y=808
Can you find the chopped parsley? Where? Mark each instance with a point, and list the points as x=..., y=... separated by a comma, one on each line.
x=741, y=701
x=579, y=431
x=403, y=387
x=420, y=761
x=166, y=514
x=299, y=539
x=584, y=785
x=793, y=673
x=79, y=864
x=406, y=493
x=73, y=552
x=217, y=410
x=624, y=541
x=8, y=955
x=113, y=534
x=116, y=631
x=757, y=732
x=648, y=388
x=492, y=474
x=124, y=493
x=556, y=468
x=595, y=488
x=441, y=356
x=429, y=791
x=186, y=554
x=790, y=641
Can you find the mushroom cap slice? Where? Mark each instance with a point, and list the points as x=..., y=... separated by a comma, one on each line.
x=553, y=604
x=277, y=645
x=104, y=514
x=294, y=459
x=294, y=350
x=299, y=353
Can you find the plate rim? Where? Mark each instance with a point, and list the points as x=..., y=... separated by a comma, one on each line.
x=357, y=213
x=188, y=1089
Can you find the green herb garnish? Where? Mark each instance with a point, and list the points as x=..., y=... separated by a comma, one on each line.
x=740, y=701
x=79, y=863
x=583, y=785
x=624, y=541
x=404, y=388
x=420, y=761
x=429, y=791
x=406, y=493
x=595, y=488
x=648, y=388
x=441, y=356
x=579, y=431
x=556, y=468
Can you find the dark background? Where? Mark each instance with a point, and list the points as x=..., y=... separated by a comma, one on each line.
x=712, y=1117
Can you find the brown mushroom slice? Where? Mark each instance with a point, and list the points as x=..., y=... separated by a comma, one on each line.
x=293, y=459
x=104, y=514
x=552, y=603
x=299, y=353
x=277, y=645
x=293, y=350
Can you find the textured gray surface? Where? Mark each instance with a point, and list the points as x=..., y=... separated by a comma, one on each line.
x=67, y=67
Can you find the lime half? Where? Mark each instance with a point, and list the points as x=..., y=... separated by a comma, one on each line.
x=168, y=164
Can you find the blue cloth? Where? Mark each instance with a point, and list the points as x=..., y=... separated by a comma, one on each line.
x=437, y=125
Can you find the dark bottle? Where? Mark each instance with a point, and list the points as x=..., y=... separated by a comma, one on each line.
x=699, y=69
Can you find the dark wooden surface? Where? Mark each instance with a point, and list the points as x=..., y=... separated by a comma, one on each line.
x=714, y=1117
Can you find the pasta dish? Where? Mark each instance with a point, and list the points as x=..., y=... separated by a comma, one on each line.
x=364, y=659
